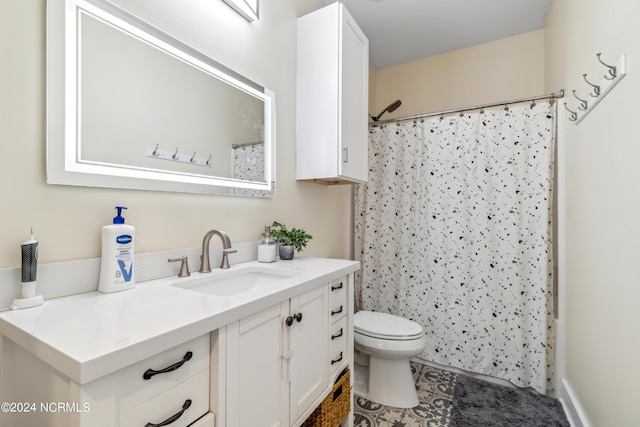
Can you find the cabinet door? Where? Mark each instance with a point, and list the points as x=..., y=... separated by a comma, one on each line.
x=332, y=97
x=257, y=392
x=354, y=85
x=309, y=343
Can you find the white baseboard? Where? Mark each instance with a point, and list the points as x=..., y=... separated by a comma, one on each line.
x=572, y=408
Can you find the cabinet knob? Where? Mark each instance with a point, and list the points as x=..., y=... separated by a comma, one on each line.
x=289, y=320
x=298, y=317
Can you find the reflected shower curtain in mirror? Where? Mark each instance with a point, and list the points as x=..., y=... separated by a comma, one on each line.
x=454, y=230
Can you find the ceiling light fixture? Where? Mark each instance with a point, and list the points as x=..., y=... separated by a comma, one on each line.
x=247, y=8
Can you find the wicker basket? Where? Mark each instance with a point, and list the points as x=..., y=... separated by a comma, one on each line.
x=335, y=407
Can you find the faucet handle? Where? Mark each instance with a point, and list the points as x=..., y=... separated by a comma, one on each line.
x=225, y=257
x=184, y=266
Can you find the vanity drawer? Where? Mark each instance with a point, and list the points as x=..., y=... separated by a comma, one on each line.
x=338, y=343
x=208, y=420
x=189, y=399
x=337, y=299
x=185, y=360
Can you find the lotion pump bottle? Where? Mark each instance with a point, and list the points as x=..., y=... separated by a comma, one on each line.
x=267, y=247
x=117, y=269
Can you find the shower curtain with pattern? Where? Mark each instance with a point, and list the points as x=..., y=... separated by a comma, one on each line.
x=453, y=230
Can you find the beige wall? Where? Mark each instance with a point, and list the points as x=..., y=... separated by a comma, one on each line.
x=502, y=70
x=67, y=220
x=602, y=174
x=602, y=205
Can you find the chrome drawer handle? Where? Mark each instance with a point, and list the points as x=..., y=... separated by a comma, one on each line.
x=334, y=361
x=336, y=288
x=172, y=418
x=150, y=372
x=341, y=333
x=338, y=311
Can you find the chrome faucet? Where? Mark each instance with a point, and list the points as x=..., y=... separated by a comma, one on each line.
x=205, y=267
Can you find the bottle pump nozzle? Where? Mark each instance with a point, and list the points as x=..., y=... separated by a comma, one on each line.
x=119, y=219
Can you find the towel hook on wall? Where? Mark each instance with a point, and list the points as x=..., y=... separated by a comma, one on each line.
x=574, y=115
x=177, y=156
x=599, y=91
x=612, y=71
x=583, y=102
x=596, y=88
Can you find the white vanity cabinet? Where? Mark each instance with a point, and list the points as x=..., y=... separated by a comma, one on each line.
x=160, y=354
x=332, y=97
x=172, y=385
x=276, y=363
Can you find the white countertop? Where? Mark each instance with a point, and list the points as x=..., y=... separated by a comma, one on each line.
x=90, y=335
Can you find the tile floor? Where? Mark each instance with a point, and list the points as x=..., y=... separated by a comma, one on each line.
x=435, y=393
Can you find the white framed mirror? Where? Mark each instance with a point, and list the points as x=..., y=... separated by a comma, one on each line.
x=129, y=106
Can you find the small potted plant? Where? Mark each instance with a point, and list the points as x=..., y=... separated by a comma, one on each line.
x=289, y=239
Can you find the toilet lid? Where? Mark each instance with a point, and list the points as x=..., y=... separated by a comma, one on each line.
x=383, y=325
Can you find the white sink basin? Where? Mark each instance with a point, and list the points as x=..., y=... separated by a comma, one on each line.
x=234, y=282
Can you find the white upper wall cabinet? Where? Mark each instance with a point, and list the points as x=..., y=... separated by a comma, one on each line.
x=332, y=97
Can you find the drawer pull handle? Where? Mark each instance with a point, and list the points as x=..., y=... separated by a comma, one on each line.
x=334, y=361
x=150, y=372
x=338, y=311
x=336, y=288
x=341, y=333
x=172, y=418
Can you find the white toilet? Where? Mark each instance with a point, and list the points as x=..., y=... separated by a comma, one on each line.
x=384, y=344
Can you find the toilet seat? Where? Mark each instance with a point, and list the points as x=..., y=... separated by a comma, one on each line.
x=386, y=326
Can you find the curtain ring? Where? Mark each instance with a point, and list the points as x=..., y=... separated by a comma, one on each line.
x=175, y=155
x=533, y=103
x=155, y=152
x=611, y=72
x=193, y=158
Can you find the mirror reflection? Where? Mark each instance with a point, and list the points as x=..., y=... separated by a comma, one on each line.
x=148, y=108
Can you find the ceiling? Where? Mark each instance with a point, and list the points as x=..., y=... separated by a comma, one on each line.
x=400, y=31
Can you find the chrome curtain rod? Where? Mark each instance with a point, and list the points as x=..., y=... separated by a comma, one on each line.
x=556, y=95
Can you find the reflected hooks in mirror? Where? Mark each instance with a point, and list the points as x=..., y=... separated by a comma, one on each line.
x=119, y=89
